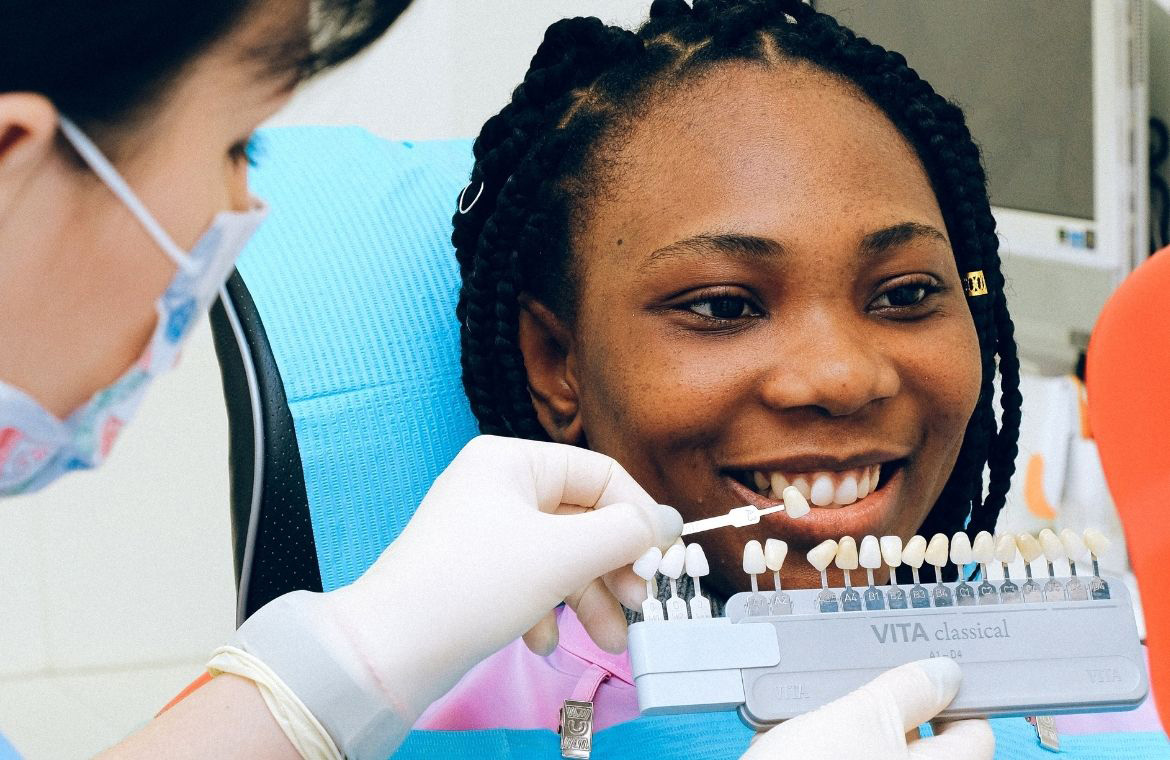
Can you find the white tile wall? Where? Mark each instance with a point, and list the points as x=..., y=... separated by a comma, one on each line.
x=116, y=584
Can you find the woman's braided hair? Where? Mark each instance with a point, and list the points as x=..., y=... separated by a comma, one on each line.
x=537, y=163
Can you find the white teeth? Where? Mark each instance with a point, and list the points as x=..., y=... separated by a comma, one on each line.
x=891, y=547
x=673, y=561
x=914, y=551
x=869, y=555
x=846, y=558
x=775, y=551
x=961, y=552
x=1029, y=547
x=801, y=484
x=753, y=558
x=647, y=564
x=761, y=481
x=1053, y=548
x=936, y=550
x=1005, y=548
x=822, y=554
x=779, y=483
x=822, y=489
x=696, y=561
x=846, y=492
x=983, y=547
x=1074, y=545
x=1096, y=541
x=794, y=504
x=863, y=488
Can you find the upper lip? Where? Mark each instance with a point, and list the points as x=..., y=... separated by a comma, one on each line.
x=822, y=462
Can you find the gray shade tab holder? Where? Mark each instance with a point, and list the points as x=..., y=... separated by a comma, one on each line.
x=1021, y=658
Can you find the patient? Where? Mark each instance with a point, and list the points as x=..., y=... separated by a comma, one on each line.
x=729, y=251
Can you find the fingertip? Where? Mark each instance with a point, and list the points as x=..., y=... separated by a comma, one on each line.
x=542, y=638
x=667, y=524
x=944, y=675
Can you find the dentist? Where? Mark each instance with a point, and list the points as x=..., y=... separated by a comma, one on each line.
x=124, y=133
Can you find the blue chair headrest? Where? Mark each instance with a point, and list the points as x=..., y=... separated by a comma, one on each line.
x=355, y=280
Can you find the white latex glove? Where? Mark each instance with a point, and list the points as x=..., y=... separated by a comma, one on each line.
x=880, y=721
x=507, y=532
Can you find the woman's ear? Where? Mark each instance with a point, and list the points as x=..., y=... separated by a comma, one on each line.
x=547, y=346
x=28, y=127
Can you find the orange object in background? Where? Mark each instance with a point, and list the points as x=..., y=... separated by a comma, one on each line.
x=1128, y=379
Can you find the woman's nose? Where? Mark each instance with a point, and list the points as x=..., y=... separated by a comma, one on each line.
x=836, y=366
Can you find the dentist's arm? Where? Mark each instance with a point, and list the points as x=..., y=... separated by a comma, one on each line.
x=505, y=534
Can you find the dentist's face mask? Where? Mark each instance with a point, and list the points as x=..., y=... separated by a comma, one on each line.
x=35, y=446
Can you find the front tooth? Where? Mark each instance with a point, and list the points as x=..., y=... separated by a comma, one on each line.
x=761, y=481
x=801, y=484
x=863, y=487
x=779, y=483
x=873, y=479
x=846, y=492
x=822, y=490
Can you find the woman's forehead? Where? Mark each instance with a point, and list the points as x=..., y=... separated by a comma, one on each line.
x=760, y=150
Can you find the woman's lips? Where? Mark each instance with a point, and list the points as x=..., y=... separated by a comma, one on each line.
x=863, y=517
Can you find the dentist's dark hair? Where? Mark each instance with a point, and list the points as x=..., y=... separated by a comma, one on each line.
x=540, y=158
x=101, y=62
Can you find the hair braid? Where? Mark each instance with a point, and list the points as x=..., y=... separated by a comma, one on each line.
x=587, y=80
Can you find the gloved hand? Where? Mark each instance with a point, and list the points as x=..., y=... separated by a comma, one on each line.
x=880, y=721
x=507, y=532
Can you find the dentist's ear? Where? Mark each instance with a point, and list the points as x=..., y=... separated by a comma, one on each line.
x=28, y=128
x=547, y=346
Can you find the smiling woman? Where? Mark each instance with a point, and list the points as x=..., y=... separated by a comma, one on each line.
x=729, y=251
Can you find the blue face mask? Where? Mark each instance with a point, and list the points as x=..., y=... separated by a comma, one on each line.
x=36, y=447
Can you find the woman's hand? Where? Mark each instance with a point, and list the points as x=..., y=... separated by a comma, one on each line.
x=880, y=721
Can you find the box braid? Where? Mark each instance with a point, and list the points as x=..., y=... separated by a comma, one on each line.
x=538, y=161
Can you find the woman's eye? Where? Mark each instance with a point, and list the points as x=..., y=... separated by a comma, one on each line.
x=723, y=308
x=905, y=296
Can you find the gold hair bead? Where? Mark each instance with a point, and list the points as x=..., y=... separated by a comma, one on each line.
x=974, y=283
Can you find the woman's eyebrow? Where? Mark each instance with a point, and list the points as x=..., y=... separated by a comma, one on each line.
x=735, y=244
x=874, y=244
x=880, y=241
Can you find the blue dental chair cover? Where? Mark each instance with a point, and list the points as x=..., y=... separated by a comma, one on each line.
x=355, y=280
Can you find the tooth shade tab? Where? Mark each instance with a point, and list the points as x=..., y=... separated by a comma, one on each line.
x=1053, y=548
x=846, y=554
x=1097, y=542
x=936, y=550
x=822, y=490
x=673, y=561
x=1074, y=545
x=914, y=552
x=1005, y=548
x=696, y=561
x=891, y=550
x=753, y=558
x=983, y=548
x=647, y=565
x=1029, y=547
x=869, y=555
x=775, y=551
x=794, y=502
x=821, y=555
x=961, y=553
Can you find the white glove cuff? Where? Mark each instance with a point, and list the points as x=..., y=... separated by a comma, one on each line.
x=304, y=732
x=315, y=661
